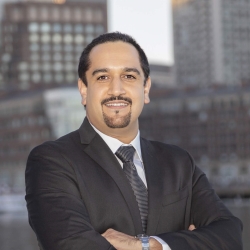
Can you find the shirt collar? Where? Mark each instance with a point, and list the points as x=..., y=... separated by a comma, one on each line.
x=114, y=144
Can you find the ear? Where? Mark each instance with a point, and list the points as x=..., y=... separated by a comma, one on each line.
x=83, y=91
x=147, y=87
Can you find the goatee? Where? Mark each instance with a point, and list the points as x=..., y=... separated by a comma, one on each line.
x=117, y=122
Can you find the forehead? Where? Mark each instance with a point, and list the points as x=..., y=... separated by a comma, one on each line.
x=112, y=53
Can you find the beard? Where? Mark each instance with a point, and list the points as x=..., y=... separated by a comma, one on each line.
x=117, y=122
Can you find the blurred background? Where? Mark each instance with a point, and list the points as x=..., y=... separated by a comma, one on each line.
x=199, y=52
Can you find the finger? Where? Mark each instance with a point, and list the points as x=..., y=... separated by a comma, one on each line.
x=191, y=227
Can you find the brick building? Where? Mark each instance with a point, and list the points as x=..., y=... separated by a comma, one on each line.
x=41, y=41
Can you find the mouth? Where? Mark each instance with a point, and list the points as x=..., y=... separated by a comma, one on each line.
x=117, y=102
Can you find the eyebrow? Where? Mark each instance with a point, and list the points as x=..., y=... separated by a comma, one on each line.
x=132, y=70
x=104, y=70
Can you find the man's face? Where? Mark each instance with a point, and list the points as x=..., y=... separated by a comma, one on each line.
x=116, y=93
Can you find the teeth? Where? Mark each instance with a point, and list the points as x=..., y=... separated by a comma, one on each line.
x=116, y=104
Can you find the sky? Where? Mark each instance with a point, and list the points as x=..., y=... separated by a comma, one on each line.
x=149, y=22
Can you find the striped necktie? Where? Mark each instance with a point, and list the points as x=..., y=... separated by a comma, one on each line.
x=126, y=155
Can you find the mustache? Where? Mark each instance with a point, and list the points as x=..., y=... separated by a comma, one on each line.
x=120, y=98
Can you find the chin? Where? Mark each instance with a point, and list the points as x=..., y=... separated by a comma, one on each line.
x=121, y=122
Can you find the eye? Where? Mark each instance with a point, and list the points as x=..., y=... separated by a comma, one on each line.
x=102, y=78
x=129, y=77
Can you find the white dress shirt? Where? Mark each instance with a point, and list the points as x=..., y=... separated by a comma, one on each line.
x=114, y=144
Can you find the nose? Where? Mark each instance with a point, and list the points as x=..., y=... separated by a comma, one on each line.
x=116, y=87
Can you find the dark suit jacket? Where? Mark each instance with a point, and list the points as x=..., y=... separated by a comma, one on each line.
x=76, y=190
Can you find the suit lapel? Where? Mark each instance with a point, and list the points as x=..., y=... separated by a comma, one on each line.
x=98, y=150
x=154, y=183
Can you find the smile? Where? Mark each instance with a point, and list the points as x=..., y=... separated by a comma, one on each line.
x=121, y=104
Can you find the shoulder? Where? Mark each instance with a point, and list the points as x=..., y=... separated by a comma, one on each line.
x=170, y=154
x=62, y=145
x=164, y=148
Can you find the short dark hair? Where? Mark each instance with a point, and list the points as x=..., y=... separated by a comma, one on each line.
x=84, y=62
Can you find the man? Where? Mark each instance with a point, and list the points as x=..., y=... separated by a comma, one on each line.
x=82, y=191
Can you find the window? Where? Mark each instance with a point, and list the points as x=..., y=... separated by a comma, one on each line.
x=78, y=28
x=67, y=28
x=34, y=57
x=57, y=38
x=34, y=47
x=45, y=47
x=99, y=29
x=78, y=48
x=68, y=57
x=57, y=56
x=45, y=38
x=70, y=77
x=45, y=27
x=33, y=27
x=47, y=77
x=57, y=47
x=69, y=66
x=68, y=38
x=79, y=39
x=23, y=66
x=24, y=77
x=34, y=38
x=36, y=77
x=89, y=38
x=46, y=67
x=6, y=57
x=57, y=27
x=35, y=66
x=89, y=28
x=46, y=57
x=68, y=47
x=59, y=77
x=58, y=66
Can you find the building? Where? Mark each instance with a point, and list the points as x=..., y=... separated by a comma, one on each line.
x=212, y=124
x=211, y=42
x=29, y=118
x=162, y=75
x=41, y=41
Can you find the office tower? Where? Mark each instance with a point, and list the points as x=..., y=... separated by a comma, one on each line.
x=211, y=41
x=42, y=41
x=161, y=76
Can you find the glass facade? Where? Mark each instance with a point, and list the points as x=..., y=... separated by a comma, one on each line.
x=52, y=35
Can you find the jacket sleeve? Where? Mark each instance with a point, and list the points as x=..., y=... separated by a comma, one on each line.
x=216, y=227
x=57, y=213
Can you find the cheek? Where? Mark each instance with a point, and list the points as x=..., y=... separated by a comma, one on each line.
x=138, y=102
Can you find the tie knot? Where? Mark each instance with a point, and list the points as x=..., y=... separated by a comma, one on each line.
x=125, y=153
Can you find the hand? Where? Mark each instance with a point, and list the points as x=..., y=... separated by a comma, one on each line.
x=191, y=227
x=122, y=241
